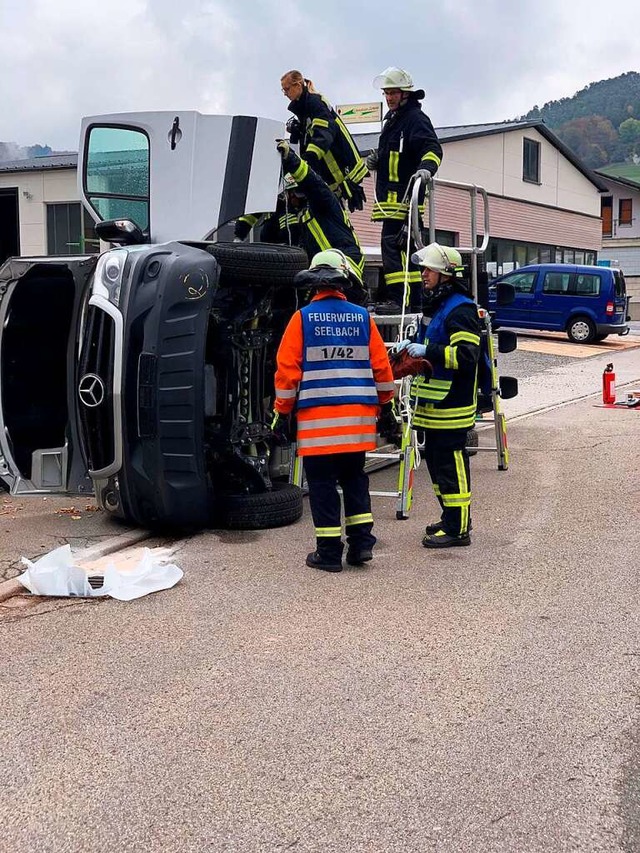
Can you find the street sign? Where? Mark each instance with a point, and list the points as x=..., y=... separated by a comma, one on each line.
x=360, y=113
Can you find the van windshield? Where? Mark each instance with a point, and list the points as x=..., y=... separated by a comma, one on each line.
x=619, y=284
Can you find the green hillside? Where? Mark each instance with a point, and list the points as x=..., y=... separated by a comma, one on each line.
x=630, y=171
x=600, y=123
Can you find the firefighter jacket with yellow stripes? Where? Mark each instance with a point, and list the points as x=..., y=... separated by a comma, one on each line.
x=325, y=224
x=333, y=367
x=407, y=143
x=281, y=226
x=326, y=144
x=448, y=399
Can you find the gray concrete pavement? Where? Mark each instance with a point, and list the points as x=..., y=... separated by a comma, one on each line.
x=32, y=526
x=482, y=699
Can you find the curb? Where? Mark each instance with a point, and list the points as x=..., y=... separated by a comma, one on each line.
x=116, y=543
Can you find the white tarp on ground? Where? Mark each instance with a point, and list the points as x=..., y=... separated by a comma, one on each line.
x=125, y=575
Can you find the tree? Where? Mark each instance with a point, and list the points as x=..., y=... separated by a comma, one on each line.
x=591, y=138
x=629, y=132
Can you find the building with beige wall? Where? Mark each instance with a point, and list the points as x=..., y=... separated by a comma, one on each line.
x=40, y=210
x=544, y=203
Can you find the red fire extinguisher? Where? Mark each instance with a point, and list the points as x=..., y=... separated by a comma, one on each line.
x=608, y=385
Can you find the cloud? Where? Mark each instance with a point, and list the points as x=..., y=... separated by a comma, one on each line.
x=478, y=62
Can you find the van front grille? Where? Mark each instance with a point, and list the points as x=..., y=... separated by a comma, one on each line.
x=95, y=389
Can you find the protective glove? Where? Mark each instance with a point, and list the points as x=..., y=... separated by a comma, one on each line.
x=372, y=160
x=356, y=197
x=283, y=147
x=417, y=350
x=402, y=345
x=282, y=428
x=294, y=129
x=389, y=425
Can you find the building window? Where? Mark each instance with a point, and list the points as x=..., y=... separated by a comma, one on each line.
x=607, y=216
x=531, y=161
x=66, y=235
x=625, y=211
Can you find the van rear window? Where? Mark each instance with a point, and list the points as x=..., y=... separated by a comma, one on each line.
x=619, y=284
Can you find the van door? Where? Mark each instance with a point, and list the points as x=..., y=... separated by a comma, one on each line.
x=518, y=312
x=552, y=303
x=41, y=305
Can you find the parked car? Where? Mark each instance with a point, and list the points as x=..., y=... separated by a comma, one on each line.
x=587, y=302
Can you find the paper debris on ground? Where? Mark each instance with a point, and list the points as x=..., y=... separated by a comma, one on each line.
x=125, y=575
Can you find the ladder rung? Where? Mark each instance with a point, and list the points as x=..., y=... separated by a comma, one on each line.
x=385, y=494
x=374, y=455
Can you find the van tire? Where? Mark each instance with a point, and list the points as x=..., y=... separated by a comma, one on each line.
x=602, y=337
x=257, y=263
x=581, y=330
x=263, y=510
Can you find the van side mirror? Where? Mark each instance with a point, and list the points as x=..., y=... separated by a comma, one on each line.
x=508, y=387
x=505, y=293
x=507, y=341
x=122, y=232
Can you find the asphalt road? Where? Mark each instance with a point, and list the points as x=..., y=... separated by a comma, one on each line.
x=482, y=699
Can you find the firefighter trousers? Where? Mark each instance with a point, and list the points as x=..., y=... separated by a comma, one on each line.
x=324, y=474
x=448, y=464
x=393, y=266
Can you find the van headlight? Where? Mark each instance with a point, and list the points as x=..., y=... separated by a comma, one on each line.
x=107, y=281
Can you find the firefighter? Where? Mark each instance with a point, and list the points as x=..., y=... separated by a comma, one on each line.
x=333, y=369
x=280, y=226
x=445, y=403
x=324, y=223
x=325, y=143
x=407, y=143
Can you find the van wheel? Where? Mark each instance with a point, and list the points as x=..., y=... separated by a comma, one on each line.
x=250, y=264
x=581, y=330
x=281, y=506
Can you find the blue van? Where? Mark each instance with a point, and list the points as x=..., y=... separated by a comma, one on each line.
x=587, y=302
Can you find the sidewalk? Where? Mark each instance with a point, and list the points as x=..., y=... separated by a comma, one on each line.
x=575, y=381
x=32, y=526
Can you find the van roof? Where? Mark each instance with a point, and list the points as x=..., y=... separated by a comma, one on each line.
x=563, y=267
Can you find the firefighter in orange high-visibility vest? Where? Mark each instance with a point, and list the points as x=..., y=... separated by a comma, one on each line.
x=333, y=372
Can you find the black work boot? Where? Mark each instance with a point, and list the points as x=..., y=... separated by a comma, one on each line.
x=359, y=556
x=441, y=539
x=437, y=525
x=317, y=560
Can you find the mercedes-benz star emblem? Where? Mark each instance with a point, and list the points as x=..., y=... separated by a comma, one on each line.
x=91, y=390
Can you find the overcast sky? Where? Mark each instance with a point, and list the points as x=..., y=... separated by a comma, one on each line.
x=478, y=60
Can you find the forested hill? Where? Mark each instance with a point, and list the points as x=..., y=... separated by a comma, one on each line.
x=601, y=123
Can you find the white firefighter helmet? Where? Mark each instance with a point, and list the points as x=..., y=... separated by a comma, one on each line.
x=332, y=259
x=328, y=268
x=394, y=78
x=443, y=259
x=289, y=183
